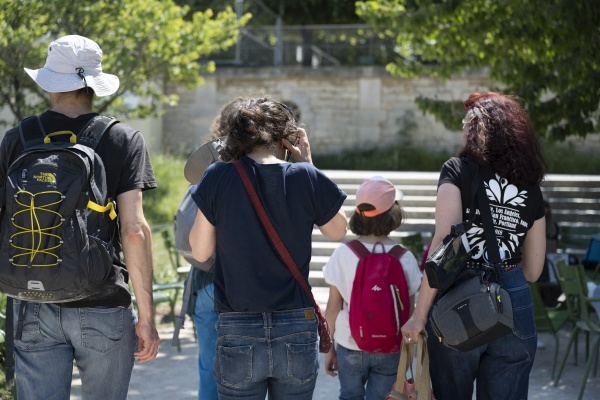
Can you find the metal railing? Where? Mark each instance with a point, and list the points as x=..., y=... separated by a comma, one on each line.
x=309, y=45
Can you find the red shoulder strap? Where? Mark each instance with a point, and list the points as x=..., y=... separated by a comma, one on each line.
x=397, y=251
x=358, y=248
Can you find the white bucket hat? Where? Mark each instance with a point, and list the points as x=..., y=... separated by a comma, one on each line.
x=74, y=62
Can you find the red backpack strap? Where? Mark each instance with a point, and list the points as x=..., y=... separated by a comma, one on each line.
x=397, y=251
x=358, y=248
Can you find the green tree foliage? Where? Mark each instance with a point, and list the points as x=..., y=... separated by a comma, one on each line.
x=293, y=12
x=544, y=51
x=310, y=12
x=146, y=43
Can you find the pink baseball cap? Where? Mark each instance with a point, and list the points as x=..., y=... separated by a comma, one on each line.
x=378, y=192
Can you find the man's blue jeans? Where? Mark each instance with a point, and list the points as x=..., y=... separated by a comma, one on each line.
x=500, y=367
x=267, y=352
x=100, y=340
x=359, y=368
x=205, y=319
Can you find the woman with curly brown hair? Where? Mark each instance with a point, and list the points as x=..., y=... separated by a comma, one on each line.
x=496, y=133
x=267, y=340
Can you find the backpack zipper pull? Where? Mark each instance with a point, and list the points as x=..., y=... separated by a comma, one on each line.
x=500, y=304
x=399, y=299
x=24, y=174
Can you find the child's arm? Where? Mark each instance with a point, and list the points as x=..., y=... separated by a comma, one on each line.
x=334, y=306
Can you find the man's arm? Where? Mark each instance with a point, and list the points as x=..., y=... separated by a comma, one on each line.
x=137, y=248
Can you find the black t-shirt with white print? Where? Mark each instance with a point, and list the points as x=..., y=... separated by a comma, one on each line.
x=514, y=209
x=127, y=165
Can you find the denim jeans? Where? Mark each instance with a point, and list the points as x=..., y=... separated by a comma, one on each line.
x=100, y=340
x=357, y=368
x=501, y=367
x=205, y=319
x=260, y=353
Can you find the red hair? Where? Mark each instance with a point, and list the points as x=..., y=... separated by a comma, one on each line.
x=499, y=132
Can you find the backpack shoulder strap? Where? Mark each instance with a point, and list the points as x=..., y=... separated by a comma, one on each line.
x=358, y=248
x=91, y=134
x=31, y=131
x=397, y=251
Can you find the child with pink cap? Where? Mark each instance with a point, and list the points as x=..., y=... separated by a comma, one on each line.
x=364, y=374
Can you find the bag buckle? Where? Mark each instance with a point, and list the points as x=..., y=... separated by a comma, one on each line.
x=458, y=229
x=493, y=267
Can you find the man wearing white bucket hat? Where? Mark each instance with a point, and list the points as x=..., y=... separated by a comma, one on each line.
x=100, y=332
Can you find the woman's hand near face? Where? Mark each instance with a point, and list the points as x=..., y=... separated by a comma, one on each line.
x=301, y=150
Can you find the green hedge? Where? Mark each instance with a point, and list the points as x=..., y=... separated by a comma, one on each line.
x=403, y=157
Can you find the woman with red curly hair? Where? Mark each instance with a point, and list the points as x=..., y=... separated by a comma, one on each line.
x=496, y=132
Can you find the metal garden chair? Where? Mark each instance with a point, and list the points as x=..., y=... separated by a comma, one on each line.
x=573, y=282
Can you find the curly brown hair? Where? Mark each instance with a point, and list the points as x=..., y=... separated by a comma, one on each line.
x=219, y=126
x=258, y=122
x=499, y=132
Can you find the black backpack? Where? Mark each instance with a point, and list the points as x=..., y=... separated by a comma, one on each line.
x=57, y=222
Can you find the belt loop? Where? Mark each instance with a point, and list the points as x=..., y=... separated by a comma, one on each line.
x=267, y=320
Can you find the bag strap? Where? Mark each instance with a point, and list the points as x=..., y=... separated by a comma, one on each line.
x=422, y=377
x=488, y=227
x=187, y=294
x=478, y=191
x=32, y=131
x=9, y=338
x=274, y=236
x=91, y=134
x=474, y=174
x=358, y=248
x=406, y=357
x=397, y=251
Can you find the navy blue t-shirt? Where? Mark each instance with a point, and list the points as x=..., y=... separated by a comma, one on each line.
x=249, y=274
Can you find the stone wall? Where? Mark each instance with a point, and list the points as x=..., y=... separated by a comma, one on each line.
x=341, y=107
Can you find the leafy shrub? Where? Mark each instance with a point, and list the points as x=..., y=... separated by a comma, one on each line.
x=160, y=204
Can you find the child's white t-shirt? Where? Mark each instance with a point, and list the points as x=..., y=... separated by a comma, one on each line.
x=339, y=272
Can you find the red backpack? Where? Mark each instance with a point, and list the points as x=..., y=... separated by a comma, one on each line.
x=379, y=303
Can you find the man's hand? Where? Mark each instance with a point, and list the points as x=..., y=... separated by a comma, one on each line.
x=148, y=341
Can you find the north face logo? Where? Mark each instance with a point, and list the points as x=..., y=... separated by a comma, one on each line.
x=47, y=177
x=376, y=288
